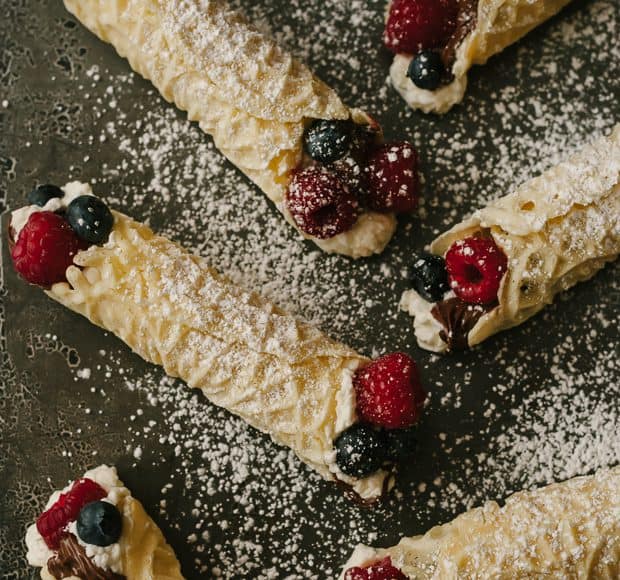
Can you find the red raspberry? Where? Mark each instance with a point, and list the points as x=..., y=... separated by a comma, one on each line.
x=388, y=392
x=320, y=203
x=392, y=175
x=382, y=570
x=475, y=269
x=53, y=521
x=45, y=249
x=415, y=25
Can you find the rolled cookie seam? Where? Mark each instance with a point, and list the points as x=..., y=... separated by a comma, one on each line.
x=564, y=530
x=483, y=29
x=283, y=376
x=140, y=553
x=555, y=230
x=253, y=98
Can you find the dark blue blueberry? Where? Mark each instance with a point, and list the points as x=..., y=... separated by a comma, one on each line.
x=99, y=523
x=90, y=219
x=430, y=277
x=401, y=443
x=328, y=141
x=360, y=450
x=426, y=70
x=43, y=193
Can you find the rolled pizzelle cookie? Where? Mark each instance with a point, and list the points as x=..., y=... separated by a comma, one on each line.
x=554, y=231
x=282, y=376
x=266, y=113
x=564, y=530
x=94, y=529
x=473, y=31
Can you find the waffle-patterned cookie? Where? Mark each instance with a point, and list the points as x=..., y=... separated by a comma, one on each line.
x=564, y=530
x=283, y=376
x=80, y=551
x=555, y=230
x=484, y=28
x=254, y=99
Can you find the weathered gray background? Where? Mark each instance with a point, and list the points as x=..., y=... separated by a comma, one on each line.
x=534, y=404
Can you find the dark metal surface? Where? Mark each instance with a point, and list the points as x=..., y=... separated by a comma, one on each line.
x=552, y=382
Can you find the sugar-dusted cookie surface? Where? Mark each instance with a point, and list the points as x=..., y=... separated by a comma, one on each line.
x=564, y=530
x=255, y=100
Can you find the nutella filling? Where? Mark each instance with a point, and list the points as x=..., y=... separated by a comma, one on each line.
x=465, y=23
x=71, y=560
x=458, y=318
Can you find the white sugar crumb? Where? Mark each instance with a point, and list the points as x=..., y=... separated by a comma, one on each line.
x=83, y=373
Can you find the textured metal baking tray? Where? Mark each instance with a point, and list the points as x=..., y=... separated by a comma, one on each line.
x=534, y=404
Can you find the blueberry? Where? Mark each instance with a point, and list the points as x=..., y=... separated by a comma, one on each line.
x=360, y=450
x=90, y=219
x=401, y=443
x=426, y=70
x=430, y=277
x=99, y=523
x=43, y=193
x=328, y=141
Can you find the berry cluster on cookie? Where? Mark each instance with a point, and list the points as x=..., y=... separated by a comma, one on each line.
x=436, y=42
x=94, y=529
x=428, y=31
x=462, y=287
x=347, y=169
x=47, y=234
x=389, y=400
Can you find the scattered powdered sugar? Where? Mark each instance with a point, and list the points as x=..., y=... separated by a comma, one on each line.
x=530, y=406
x=566, y=425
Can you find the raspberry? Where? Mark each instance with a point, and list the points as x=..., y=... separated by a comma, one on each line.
x=392, y=175
x=53, y=521
x=45, y=249
x=415, y=25
x=388, y=392
x=320, y=203
x=475, y=269
x=382, y=570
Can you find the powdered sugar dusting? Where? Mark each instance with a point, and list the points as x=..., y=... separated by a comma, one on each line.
x=527, y=407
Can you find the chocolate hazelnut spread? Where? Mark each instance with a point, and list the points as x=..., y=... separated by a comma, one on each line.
x=465, y=23
x=71, y=560
x=458, y=318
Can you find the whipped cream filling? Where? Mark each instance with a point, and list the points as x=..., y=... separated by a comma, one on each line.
x=369, y=235
x=20, y=217
x=369, y=487
x=426, y=326
x=346, y=413
x=106, y=558
x=362, y=557
x=371, y=232
x=439, y=101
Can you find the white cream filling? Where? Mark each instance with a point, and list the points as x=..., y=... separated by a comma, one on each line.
x=362, y=557
x=20, y=217
x=426, y=326
x=346, y=406
x=439, y=101
x=108, y=557
x=346, y=415
x=105, y=557
x=368, y=236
